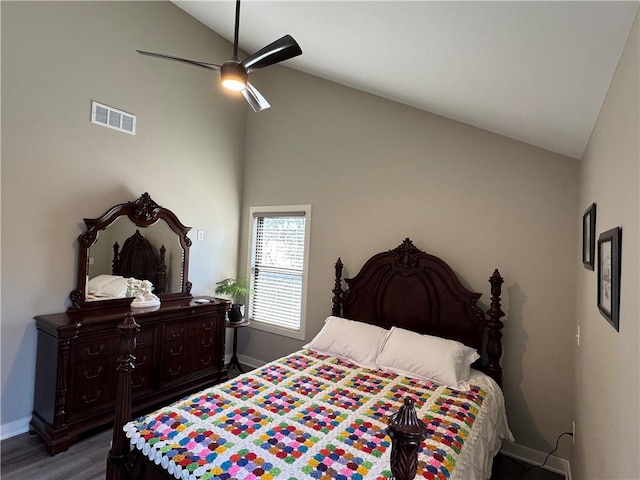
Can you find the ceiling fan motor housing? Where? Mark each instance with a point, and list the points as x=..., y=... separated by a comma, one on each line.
x=234, y=76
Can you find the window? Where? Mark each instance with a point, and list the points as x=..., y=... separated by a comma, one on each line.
x=279, y=259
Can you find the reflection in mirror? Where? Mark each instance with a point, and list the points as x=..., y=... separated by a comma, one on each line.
x=119, y=253
x=138, y=239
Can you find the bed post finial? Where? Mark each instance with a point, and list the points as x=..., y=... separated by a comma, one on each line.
x=336, y=309
x=161, y=284
x=407, y=433
x=494, y=339
x=115, y=263
x=118, y=455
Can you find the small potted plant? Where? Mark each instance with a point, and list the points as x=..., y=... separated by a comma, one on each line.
x=237, y=290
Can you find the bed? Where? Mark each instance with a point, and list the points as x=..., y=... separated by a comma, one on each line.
x=403, y=380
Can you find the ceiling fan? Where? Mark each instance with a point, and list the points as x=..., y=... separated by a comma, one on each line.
x=234, y=73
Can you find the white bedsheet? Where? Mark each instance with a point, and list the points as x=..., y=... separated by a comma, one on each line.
x=492, y=427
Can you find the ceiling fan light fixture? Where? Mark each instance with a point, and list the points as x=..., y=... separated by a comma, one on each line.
x=234, y=76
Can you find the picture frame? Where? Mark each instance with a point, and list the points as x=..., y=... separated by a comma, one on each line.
x=609, y=258
x=589, y=236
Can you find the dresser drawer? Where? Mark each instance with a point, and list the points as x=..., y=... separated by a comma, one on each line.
x=94, y=349
x=175, y=331
x=94, y=384
x=141, y=374
x=208, y=323
x=176, y=360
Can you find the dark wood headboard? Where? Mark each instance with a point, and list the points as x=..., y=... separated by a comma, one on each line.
x=408, y=288
x=139, y=259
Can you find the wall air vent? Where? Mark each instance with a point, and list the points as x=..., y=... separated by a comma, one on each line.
x=113, y=118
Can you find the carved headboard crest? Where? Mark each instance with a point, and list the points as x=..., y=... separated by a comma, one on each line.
x=406, y=254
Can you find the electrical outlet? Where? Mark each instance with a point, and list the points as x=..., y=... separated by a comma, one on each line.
x=573, y=431
x=200, y=235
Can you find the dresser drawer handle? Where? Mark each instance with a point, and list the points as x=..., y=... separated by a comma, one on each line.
x=93, y=354
x=205, y=362
x=138, y=385
x=207, y=327
x=89, y=376
x=178, y=352
x=176, y=335
x=172, y=373
x=207, y=344
x=91, y=400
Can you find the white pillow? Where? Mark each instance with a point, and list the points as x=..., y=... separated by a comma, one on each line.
x=357, y=342
x=429, y=358
x=96, y=283
x=115, y=288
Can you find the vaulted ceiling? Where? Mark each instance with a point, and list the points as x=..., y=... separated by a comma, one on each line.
x=533, y=71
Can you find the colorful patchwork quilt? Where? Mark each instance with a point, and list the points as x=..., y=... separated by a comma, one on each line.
x=309, y=416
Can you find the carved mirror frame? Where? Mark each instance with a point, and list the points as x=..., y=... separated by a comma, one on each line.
x=143, y=212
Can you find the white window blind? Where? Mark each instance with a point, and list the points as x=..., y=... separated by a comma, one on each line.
x=278, y=268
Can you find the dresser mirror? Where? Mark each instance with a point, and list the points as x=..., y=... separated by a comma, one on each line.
x=140, y=240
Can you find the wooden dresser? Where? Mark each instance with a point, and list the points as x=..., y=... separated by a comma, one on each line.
x=180, y=348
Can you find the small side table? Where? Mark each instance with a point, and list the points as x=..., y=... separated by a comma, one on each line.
x=234, y=357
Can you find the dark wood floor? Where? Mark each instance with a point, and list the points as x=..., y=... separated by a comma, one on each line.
x=24, y=458
x=507, y=468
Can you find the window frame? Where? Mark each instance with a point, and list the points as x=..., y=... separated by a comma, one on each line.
x=280, y=211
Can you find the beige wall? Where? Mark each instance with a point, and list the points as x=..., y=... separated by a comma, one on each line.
x=376, y=172
x=373, y=170
x=607, y=375
x=58, y=168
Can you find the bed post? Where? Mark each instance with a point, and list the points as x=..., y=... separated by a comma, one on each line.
x=161, y=279
x=115, y=263
x=336, y=310
x=407, y=433
x=118, y=455
x=494, y=339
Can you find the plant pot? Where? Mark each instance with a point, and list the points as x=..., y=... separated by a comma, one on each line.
x=235, y=314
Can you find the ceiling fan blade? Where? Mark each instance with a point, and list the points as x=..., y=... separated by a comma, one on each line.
x=255, y=98
x=210, y=66
x=282, y=49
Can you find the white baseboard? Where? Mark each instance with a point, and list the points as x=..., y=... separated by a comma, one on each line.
x=534, y=457
x=251, y=362
x=11, y=429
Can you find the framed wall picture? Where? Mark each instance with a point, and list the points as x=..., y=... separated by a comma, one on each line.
x=609, y=250
x=589, y=236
